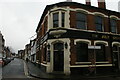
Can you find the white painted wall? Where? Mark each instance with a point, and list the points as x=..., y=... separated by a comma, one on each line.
x=33, y=50
x=1, y=43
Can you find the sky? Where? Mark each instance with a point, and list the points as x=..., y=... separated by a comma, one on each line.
x=19, y=19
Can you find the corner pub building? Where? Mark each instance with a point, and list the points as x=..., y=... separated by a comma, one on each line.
x=74, y=37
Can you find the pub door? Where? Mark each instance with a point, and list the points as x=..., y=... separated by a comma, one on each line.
x=58, y=64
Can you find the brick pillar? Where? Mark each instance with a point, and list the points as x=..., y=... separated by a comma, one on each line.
x=90, y=22
x=72, y=19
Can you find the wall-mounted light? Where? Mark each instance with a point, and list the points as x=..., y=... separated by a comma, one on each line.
x=66, y=45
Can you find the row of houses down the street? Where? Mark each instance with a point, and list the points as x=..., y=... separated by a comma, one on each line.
x=2, y=43
x=73, y=37
x=29, y=52
x=4, y=50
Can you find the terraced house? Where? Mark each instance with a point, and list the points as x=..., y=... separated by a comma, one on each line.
x=2, y=45
x=73, y=37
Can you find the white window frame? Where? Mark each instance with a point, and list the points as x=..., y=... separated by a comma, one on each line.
x=103, y=24
x=86, y=23
x=59, y=18
x=114, y=18
x=83, y=41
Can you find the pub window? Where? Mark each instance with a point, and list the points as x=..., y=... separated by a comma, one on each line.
x=55, y=20
x=82, y=52
x=99, y=23
x=113, y=23
x=100, y=54
x=48, y=56
x=44, y=54
x=115, y=48
x=81, y=20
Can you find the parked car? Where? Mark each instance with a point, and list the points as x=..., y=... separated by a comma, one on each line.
x=1, y=62
x=12, y=58
x=6, y=60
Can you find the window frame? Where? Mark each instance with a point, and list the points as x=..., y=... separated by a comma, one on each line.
x=114, y=26
x=59, y=18
x=101, y=24
x=79, y=53
x=62, y=19
x=81, y=20
x=56, y=20
x=104, y=54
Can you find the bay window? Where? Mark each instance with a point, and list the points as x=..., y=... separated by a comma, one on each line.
x=58, y=19
x=55, y=20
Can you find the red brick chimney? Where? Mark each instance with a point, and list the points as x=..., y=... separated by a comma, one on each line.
x=101, y=4
x=88, y=2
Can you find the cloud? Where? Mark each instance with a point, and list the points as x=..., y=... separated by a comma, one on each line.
x=19, y=22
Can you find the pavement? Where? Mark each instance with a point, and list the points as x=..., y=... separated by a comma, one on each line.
x=36, y=72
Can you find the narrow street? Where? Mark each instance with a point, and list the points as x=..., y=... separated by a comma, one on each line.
x=15, y=69
x=60, y=40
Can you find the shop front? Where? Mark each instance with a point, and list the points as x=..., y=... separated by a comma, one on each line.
x=71, y=50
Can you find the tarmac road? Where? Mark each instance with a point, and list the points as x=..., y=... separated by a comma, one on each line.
x=15, y=69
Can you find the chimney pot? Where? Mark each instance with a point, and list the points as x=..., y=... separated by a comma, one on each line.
x=88, y=2
x=101, y=4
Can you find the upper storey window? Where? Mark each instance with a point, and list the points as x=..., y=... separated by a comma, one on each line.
x=59, y=19
x=113, y=23
x=55, y=20
x=81, y=20
x=63, y=19
x=99, y=23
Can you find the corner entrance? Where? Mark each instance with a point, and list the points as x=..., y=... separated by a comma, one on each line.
x=58, y=64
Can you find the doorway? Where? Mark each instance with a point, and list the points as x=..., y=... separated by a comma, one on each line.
x=58, y=64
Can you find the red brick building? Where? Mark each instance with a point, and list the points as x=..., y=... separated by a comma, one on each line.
x=73, y=36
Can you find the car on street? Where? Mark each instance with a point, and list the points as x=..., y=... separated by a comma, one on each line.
x=1, y=61
x=7, y=60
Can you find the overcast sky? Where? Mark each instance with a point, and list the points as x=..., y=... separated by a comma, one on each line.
x=19, y=18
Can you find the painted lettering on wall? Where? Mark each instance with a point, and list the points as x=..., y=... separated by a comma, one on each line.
x=105, y=37
x=116, y=38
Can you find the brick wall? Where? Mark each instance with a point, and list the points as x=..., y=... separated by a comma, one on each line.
x=73, y=52
x=90, y=22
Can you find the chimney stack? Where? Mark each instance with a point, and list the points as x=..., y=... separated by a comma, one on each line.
x=88, y=2
x=101, y=4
